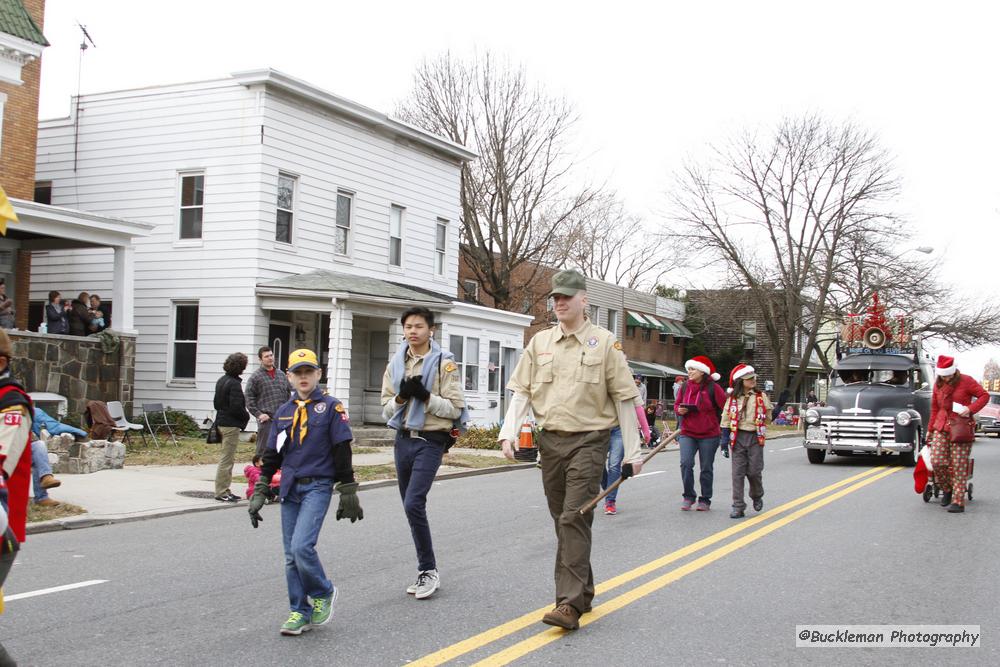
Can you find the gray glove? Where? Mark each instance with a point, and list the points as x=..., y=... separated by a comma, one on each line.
x=257, y=500
x=349, y=507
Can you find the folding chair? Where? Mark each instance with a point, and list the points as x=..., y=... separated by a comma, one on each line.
x=152, y=409
x=123, y=425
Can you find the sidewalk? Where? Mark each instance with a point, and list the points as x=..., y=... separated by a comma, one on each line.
x=134, y=493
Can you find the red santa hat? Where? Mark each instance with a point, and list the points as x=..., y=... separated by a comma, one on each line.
x=946, y=366
x=741, y=371
x=922, y=470
x=703, y=364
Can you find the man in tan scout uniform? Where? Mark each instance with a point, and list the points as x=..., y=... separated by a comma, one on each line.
x=575, y=379
x=422, y=400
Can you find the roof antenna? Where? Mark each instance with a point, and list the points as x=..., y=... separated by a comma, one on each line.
x=79, y=72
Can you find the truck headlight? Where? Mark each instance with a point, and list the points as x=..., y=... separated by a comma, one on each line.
x=812, y=416
x=904, y=418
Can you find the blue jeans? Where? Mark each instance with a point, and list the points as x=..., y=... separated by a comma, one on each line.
x=302, y=514
x=39, y=468
x=417, y=463
x=613, y=469
x=705, y=448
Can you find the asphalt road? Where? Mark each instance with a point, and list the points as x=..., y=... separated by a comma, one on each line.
x=674, y=587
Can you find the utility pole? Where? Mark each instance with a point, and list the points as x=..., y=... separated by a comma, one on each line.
x=79, y=74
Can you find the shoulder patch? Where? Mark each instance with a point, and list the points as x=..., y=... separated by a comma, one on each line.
x=450, y=367
x=339, y=407
x=618, y=345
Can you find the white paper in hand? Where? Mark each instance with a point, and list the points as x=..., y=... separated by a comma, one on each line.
x=959, y=409
x=282, y=436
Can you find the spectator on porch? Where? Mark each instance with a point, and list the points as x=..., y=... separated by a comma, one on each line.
x=98, y=322
x=56, y=319
x=6, y=307
x=79, y=315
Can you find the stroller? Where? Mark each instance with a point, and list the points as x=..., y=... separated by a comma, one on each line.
x=933, y=490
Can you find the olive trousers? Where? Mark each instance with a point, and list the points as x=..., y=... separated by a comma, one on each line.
x=572, y=464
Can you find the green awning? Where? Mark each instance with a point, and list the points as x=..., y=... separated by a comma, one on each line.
x=636, y=320
x=658, y=323
x=647, y=369
x=678, y=329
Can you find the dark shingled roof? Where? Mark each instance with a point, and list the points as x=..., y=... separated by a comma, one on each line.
x=331, y=281
x=15, y=20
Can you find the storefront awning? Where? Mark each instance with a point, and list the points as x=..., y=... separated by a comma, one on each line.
x=637, y=320
x=657, y=323
x=677, y=329
x=647, y=369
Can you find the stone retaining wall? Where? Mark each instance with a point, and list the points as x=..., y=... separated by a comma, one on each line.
x=75, y=367
x=73, y=458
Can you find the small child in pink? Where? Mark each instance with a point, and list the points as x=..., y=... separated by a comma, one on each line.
x=252, y=473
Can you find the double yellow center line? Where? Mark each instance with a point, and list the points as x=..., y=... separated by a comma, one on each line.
x=846, y=486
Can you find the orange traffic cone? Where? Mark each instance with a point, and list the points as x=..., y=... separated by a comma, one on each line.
x=526, y=450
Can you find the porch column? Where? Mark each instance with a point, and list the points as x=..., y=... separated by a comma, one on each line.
x=123, y=289
x=395, y=337
x=338, y=370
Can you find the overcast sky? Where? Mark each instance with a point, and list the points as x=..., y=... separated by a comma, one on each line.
x=653, y=84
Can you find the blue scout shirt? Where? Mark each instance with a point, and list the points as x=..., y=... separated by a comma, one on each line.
x=324, y=452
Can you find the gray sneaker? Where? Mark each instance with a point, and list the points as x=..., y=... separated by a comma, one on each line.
x=412, y=588
x=427, y=584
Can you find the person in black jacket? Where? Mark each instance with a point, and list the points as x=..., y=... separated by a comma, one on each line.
x=79, y=315
x=56, y=320
x=231, y=417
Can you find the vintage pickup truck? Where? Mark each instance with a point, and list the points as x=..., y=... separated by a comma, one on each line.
x=880, y=393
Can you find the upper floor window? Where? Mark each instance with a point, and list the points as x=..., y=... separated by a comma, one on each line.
x=43, y=192
x=749, y=334
x=613, y=321
x=285, y=213
x=192, y=205
x=396, y=235
x=342, y=232
x=441, y=247
x=470, y=289
x=185, y=340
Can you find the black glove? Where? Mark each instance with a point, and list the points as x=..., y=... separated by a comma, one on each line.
x=257, y=500
x=349, y=507
x=725, y=449
x=405, y=391
x=627, y=470
x=416, y=388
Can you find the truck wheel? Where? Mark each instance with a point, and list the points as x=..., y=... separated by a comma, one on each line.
x=816, y=455
x=908, y=459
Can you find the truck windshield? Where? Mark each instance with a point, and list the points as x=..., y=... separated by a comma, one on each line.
x=874, y=376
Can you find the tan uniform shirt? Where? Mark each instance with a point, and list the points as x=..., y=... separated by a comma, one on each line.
x=14, y=435
x=747, y=416
x=447, y=398
x=574, y=381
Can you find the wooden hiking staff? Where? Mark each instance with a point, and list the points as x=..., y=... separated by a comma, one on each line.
x=589, y=507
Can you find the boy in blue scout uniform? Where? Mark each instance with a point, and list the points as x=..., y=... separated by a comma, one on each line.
x=311, y=444
x=422, y=400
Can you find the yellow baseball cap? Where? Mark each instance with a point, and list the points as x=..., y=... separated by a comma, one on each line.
x=302, y=357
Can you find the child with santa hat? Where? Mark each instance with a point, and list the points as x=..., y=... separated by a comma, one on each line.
x=745, y=418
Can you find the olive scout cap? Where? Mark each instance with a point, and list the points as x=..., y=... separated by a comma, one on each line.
x=300, y=358
x=568, y=283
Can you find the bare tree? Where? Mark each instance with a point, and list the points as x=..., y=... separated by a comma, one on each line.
x=778, y=211
x=611, y=244
x=519, y=198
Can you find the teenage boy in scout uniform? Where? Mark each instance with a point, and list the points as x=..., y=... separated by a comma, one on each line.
x=575, y=380
x=311, y=444
x=422, y=400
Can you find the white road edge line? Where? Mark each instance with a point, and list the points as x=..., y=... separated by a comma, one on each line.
x=644, y=474
x=54, y=589
x=793, y=447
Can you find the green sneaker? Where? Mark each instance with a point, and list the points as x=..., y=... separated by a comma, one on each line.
x=295, y=625
x=323, y=608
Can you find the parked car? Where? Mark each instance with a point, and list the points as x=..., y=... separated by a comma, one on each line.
x=988, y=419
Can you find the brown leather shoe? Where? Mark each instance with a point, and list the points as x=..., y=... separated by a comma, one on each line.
x=49, y=481
x=564, y=616
x=48, y=502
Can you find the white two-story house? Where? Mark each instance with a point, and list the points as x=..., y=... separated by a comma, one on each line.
x=283, y=215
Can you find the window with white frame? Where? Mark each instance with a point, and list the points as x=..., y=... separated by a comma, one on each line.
x=192, y=206
x=342, y=231
x=185, y=340
x=471, y=291
x=493, y=379
x=613, y=321
x=441, y=247
x=749, y=334
x=285, y=212
x=395, y=235
x=466, y=352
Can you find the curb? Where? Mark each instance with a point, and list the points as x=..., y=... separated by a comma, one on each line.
x=84, y=521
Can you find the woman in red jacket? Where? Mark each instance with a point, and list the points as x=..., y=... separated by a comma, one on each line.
x=951, y=459
x=700, y=403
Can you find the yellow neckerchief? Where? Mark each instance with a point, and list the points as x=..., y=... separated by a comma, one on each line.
x=301, y=419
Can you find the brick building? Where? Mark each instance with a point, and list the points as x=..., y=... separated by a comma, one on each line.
x=735, y=330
